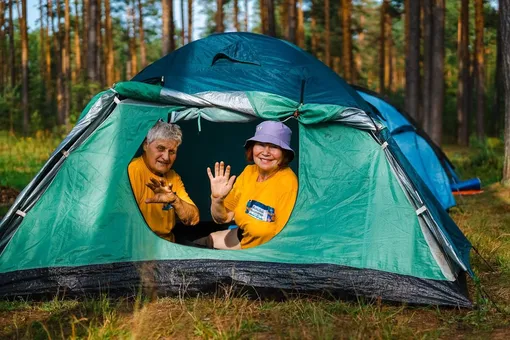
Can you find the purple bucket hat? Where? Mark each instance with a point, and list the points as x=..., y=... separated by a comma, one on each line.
x=272, y=132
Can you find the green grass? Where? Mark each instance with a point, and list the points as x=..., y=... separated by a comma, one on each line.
x=22, y=157
x=484, y=218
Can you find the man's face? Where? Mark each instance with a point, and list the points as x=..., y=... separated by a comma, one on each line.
x=159, y=156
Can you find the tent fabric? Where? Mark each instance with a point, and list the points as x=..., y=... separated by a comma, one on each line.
x=364, y=222
x=416, y=149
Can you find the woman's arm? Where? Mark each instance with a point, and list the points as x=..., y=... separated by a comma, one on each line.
x=221, y=185
x=219, y=213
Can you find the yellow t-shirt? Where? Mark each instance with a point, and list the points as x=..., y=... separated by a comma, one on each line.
x=159, y=218
x=261, y=209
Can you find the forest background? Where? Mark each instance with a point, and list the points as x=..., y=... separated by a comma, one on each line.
x=439, y=60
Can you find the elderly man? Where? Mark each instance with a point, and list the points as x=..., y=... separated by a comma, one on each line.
x=158, y=189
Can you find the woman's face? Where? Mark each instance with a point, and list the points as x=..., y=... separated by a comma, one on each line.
x=267, y=156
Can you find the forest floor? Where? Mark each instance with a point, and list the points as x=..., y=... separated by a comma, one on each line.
x=484, y=218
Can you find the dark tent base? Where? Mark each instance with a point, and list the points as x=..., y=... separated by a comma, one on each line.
x=259, y=279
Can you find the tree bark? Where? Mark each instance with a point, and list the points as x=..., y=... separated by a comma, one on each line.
x=499, y=94
x=313, y=29
x=3, y=61
x=271, y=25
x=108, y=32
x=263, y=17
x=412, y=59
x=479, y=69
x=463, y=77
x=141, y=33
x=190, y=21
x=327, y=43
x=85, y=34
x=220, y=28
x=246, y=15
x=12, y=50
x=300, y=34
x=437, y=69
x=382, y=47
x=504, y=17
x=168, y=40
x=59, y=47
x=292, y=15
x=361, y=44
x=77, y=45
x=133, y=59
x=237, y=25
x=347, y=40
x=99, y=42
x=24, y=67
x=66, y=63
x=183, y=24
x=92, y=42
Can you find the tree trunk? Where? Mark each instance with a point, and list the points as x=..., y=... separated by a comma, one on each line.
x=165, y=31
x=12, y=55
x=3, y=62
x=190, y=21
x=141, y=33
x=263, y=17
x=479, y=69
x=99, y=42
x=504, y=17
x=42, y=45
x=108, y=36
x=283, y=15
x=66, y=63
x=271, y=25
x=220, y=28
x=300, y=34
x=183, y=24
x=92, y=42
x=382, y=46
x=292, y=21
x=237, y=26
x=412, y=59
x=168, y=40
x=313, y=28
x=131, y=33
x=437, y=69
x=361, y=45
x=347, y=40
x=463, y=77
x=499, y=94
x=48, y=50
x=427, y=64
x=327, y=43
x=246, y=15
x=59, y=47
x=24, y=66
x=77, y=45
x=85, y=34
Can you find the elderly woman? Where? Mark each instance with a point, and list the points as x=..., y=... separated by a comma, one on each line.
x=261, y=200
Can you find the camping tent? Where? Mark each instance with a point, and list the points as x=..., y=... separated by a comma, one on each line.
x=429, y=161
x=417, y=148
x=364, y=224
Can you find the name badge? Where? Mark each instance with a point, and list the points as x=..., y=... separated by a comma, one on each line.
x=260, y=211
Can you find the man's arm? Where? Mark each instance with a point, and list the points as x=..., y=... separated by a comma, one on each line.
x=163, y=193
x=187, y=213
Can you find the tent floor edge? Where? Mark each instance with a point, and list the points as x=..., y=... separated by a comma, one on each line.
x=252, y=279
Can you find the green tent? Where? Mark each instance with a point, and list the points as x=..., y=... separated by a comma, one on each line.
x=364, y=224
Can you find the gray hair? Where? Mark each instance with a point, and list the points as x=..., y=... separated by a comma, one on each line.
x=163, y=130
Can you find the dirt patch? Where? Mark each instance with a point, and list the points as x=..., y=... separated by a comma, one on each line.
x=7, y=195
